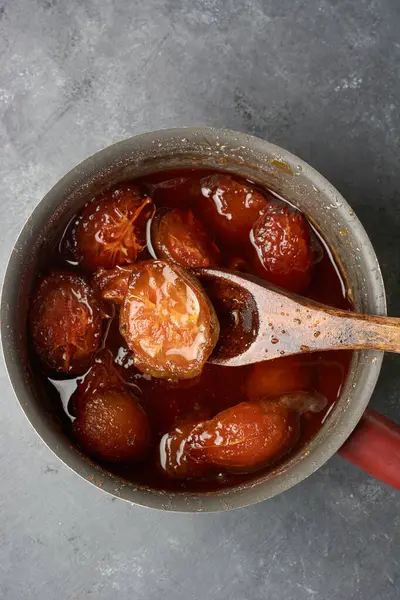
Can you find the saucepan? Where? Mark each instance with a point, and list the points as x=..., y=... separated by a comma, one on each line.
x=364, y=437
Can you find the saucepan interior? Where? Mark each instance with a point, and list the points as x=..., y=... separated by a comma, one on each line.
x=251, y=158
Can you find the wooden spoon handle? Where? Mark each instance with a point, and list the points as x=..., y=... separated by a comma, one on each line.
x=334, y=329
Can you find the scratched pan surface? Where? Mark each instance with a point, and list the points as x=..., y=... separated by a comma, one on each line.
x=220, y=149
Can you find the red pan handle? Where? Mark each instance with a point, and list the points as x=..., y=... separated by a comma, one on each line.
x=374, y=446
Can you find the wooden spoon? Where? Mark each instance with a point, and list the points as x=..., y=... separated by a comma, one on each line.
x=260, y=321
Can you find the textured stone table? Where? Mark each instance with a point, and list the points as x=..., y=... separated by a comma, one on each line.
x=320, y=78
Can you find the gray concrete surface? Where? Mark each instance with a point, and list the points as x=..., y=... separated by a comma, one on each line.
x=319, y=77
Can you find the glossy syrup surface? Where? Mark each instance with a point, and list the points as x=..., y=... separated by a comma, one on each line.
x=168, y=402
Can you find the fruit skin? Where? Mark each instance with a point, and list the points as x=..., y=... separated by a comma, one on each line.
x=248, y=435
x=282, y=239
x=65, y=322
x=273, y=378
x=240, y=439
x=112, y=284
x=174, y=456
x=177, y=235
x=103, y=374
x=231, y=208
x=112, y=426
x=110, y=230
x=168, y=321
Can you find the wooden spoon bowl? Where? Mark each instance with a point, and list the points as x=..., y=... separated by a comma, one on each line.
x=260, y=322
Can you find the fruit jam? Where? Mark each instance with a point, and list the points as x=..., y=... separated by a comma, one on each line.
x=168, y=402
